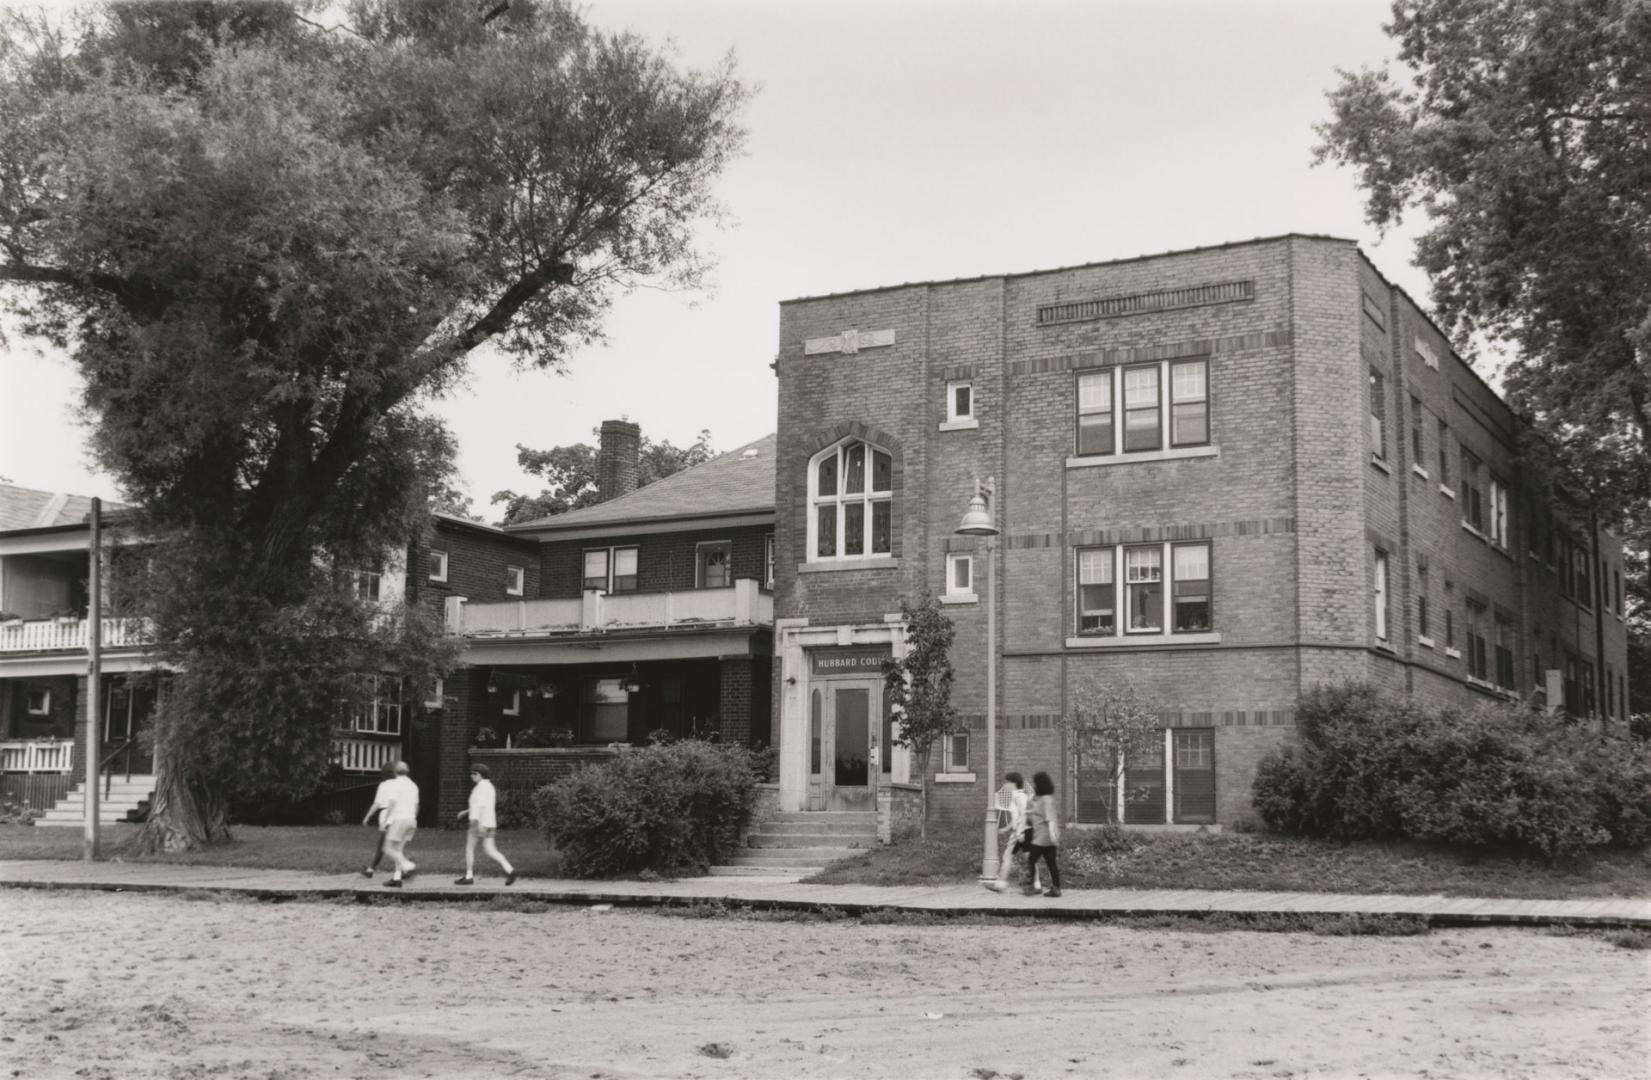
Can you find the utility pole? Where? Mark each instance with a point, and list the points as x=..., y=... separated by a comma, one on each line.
x=94, y=679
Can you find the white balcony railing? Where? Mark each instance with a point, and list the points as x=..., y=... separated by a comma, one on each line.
x=37, y=756
x=69, y=635
x=743, y=605
x=364, y=755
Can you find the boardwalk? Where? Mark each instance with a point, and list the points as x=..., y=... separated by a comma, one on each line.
x=783, y=893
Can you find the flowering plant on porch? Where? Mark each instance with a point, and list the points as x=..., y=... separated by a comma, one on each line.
x=486, y=737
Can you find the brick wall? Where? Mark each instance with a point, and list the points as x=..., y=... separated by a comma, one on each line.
x=519, y=773
x=477, y=559
x=665, y=562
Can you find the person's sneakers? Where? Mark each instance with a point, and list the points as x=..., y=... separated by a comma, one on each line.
x=1051, y=892
x=409, y=872
x=464, y=881
x=510, y=878
x=367, y=873
x=995, y=886
x=393, y=883
x=1031, y=890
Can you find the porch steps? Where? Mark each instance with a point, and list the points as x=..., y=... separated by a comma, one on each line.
x=123, y=795
x=797, y=843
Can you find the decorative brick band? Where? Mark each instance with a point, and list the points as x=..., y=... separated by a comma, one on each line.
x=954, y=372
x=1113, y=307
x=1149, y=534
x=1171, y=719
x=1270, y=339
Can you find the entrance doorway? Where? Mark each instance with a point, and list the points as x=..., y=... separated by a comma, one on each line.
x=128, y=712
x=846, y=744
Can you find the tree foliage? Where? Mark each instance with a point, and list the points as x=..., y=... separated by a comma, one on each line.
x=919, y=685
x=266, y=241
x=1110, y=723
x=1521, y=129
x=570, y=474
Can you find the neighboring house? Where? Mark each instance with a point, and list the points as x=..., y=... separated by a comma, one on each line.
x=650, y=611
x=1224, y=474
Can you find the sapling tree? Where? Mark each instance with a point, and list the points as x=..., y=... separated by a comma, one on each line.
x=919, y=685
x=1107, y=724
x=267, y=234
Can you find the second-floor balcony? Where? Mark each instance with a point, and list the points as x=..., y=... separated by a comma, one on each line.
x=745, y=604
x=67, y=634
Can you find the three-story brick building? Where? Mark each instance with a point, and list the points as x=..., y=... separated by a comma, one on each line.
x=1223, y=475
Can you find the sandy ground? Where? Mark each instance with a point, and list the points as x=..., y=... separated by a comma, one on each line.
x=97, y=986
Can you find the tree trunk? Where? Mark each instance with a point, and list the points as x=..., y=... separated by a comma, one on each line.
x=183, y=816
x=923, y=786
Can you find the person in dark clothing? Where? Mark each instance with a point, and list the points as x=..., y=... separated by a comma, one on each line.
x=1046, y=832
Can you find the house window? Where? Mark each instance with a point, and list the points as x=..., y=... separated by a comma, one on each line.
x=1450, y=629
x=1444, y=454
x=1573, y=688
x=1097, y=607
x=1194, y=775
x=1498, y=513
x=957, y=752
x=515, y=580
x=960, y=574
x=851, y=497
x=611, y=569
x=1141, y=406
x=1473, y=506
x=1417, y=451
x=378, y=712
x=714, y=565
x=1478, y=658
x=1585, y=672
x=1144, y=588
x=1378, y=415
x=1421, y=602
x=1189, y=405
x=39, y=701
x=960, y=401
x=1380, y=595
x=1095, y=412
x=605, y=710
x=1579, y=568
x=1190, y=587
x=768, y=560
x=1504, y=652
x=438, y=566
x=435, y=698
x=361, y=584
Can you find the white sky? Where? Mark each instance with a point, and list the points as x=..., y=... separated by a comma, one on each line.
x=895, y=141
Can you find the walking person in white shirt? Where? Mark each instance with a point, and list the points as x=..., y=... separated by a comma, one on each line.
x=381, y=802
x=484, y=822
x=402, y=816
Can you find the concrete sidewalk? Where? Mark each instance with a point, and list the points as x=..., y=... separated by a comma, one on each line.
x=785, y=894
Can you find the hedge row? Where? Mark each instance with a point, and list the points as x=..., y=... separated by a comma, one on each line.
x=1371, y=768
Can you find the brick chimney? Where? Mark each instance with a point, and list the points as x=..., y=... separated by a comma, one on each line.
x=616, y=459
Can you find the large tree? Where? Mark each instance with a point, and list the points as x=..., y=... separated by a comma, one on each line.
x=267, y=233
x=1522, y=128
x=570, y=474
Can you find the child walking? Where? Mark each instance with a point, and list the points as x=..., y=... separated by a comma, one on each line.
x=484, y=822
x=1046, y=832
x=1019, y=797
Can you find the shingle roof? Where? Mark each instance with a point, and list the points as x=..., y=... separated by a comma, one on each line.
x=740, y=481
x=27, y=508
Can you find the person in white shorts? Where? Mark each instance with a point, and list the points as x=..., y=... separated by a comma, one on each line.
x=402, y=823
x=484, y=822
x=381, y=802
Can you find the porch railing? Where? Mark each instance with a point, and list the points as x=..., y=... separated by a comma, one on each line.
x=743, y=605
x=364, y=755
x=37, y=756
x=65, y=635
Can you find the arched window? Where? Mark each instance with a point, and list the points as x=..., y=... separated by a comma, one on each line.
x=850, y=502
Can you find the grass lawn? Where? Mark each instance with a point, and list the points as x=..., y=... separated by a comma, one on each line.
x=1115, y=859
x=324, y=849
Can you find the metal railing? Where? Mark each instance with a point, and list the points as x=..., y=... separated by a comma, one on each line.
x=105, y=766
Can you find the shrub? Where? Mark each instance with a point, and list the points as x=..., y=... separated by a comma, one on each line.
x=1368, y=768
x=516, y=811
x=668, y=808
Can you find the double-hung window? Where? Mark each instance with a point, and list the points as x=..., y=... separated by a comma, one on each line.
x=362, y=584
x=378, y=711
x=1380, y=595
x=1473, y=505
x=1504, y=651
x=960, y=402
x=1422, y=628
x=1163, y=585
x=1444, y=454
x=1498, y=513
x=1378, y=415
x=1478, y=658
x=851, y=494
x=768, y=560
x=612, y=570
x=515, y=580
x=960, y=574
x=1139, y=391
x=438, y=565
x=1417, y=451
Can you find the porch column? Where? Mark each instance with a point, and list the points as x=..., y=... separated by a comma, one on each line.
x=465, y=692
x=735, y=701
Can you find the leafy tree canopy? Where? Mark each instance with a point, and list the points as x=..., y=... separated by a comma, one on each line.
x=1522, y=129
x=267, y=237
x=570, y=474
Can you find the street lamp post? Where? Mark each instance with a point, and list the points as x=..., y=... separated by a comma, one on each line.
x=977, y=521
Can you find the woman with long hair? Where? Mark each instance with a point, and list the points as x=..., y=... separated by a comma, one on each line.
x=1046, y=834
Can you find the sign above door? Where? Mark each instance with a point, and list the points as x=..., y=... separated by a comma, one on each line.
x=848, y=660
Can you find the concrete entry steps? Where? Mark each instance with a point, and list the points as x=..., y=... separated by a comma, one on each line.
x=797, y=843
x=123, y=795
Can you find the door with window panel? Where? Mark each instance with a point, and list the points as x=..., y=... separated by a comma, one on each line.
x=1144, y=786
x=1194, y=775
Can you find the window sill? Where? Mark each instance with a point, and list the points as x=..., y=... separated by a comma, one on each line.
x=1381, y=463
x=958, y=425
x=1386, y=647
x=1419, y=471
x=954, y=778
x=1447, y=492
x=1127, y=641
x=1424, y=641
x=1137, y=456
x=1482, y=684
x=1454, y=654
x=1468, y=528
x=881, y=562
x=960, y=598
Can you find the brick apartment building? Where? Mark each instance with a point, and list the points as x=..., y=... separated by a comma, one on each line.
x=1224, y=475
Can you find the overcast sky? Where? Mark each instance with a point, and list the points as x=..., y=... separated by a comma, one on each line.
x=895, y=141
